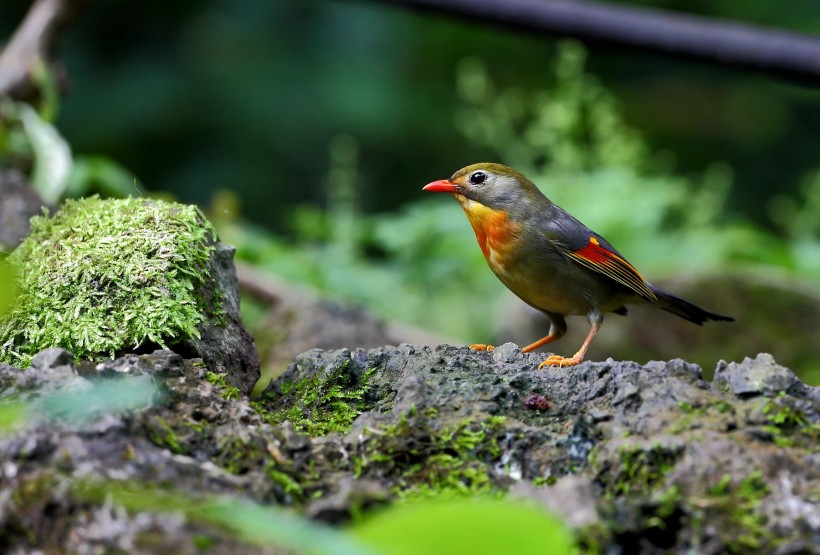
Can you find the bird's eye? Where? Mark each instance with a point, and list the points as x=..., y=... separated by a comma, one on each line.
x=478, y=178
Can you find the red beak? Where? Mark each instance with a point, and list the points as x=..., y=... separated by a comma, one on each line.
x=441, y=186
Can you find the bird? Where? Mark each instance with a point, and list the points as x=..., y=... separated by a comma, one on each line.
x=549, y=259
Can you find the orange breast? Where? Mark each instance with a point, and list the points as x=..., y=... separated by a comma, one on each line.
x=495, y=232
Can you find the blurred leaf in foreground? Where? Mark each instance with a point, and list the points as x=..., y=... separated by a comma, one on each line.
x=78, y=400
x=103, y=397
x=98, y=174
x=476, y=526
x=249, y=522
x=12, y=413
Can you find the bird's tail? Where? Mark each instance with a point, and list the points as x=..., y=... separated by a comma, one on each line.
x=686, y=310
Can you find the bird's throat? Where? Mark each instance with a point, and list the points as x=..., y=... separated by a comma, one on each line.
x=493, y=228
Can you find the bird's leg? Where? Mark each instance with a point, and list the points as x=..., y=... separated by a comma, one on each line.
x=540, y=343
x=577, y=358
x=482, y=347
x=558, y=327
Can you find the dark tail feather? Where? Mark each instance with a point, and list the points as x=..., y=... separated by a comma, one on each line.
x=685, y=309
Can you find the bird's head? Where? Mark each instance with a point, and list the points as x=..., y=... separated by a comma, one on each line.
x=495, y=186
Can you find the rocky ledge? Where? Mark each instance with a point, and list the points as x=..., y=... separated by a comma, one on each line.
x=647, y=458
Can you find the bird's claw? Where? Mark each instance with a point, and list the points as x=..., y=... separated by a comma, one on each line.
x=481, y=347
x=561, y=362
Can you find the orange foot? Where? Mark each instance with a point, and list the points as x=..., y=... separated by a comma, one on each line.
x=561, y=362
x=482, y=347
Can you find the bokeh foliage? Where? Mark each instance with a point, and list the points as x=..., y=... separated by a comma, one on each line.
x=196, y=96
x=420, y=264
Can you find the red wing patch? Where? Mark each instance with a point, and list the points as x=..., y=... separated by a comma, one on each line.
x=602, y=260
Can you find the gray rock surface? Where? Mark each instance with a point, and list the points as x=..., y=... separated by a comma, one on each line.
x=18, y=204
x=771, y=314
x=636, y=458
x=224, y=343
x=761, y=376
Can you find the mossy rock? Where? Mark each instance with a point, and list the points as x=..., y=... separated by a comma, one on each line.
x=636, y=459
x=105, y=277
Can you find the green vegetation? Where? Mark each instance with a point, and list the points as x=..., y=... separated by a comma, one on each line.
x=106, y=276
x=8, y=293
x=220, y=380
x=780, y=413
x=328, y=402
x=572, y=141
x=476, y=526
x=641, y=470
x=787, y=423
x=734, y=509
x=161, y=433
x=28, y=138
x=668, y=501
x=480, y=526
x=265, y=526
x=429, y=463
x=699, y=415
x=730, y=508
x=79, y=405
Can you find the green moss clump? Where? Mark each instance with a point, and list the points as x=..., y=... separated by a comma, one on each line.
x=220, y=380
x=734, y=509
x=104, y=276
x=787, y=423
x=424, y=462
x=319, y=405
x=640, y=471
x=239, y=455
x=780, y=413
x=163, y=434
x=8, y=293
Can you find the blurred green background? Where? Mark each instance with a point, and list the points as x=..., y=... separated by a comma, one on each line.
x=308, y=127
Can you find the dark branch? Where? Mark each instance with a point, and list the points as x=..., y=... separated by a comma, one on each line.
x=724, y=42
x=34, y=42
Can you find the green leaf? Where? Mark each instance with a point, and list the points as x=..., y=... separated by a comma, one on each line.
x=255, y=524
x=102, y=175
x=105, y=397
x=270, y=526
x=477, y=526
x=52, y=155
x=11, y=415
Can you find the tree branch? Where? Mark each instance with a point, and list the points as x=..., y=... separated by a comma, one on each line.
x=34, y=42
x=723, y=42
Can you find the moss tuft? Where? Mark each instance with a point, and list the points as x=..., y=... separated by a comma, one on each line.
x=319, y=405
x=106, y=276
x=163, y=434
x=734, y=508
x=424, y=462
x=228, y=391
x=787, y=423
x=641, y=470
